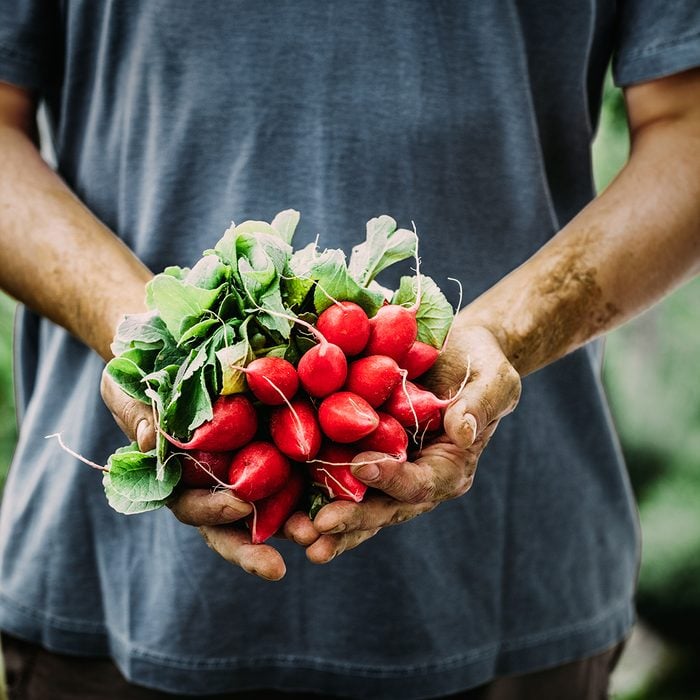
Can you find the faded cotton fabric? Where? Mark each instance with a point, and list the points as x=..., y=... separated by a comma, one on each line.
x=472, y=119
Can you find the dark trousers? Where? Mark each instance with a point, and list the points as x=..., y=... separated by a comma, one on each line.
x=36, y=674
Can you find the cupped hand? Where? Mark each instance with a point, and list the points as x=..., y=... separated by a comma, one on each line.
x=443, y=469
x=214, y=513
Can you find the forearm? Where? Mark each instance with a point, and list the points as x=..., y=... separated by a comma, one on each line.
x=58, y=258
x=622, y=253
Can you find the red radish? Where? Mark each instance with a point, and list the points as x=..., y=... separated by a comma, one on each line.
x=234, y=424
x=373, y=378
x=337, y=478
x=202, y=469
x=346, y=325
x=416, y=407
x=258, y=470
x=270, y=513
x=322, y=369
x=389, y=437
x=393, y=329
x=295, y=430
x=271, y=379
x=419, y=359
x=346, y=417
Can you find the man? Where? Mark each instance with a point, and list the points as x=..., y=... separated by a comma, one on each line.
x=475, y=121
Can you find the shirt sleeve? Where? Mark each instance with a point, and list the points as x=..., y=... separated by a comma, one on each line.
x=655, y=38
x=29, y=43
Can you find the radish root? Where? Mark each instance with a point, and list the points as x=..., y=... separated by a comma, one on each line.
x=84, y=460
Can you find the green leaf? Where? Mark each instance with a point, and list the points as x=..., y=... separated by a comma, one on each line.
x=175, y=300
x=285, y=224
x=127, y=372
x=133, y=485
x=189, y=404
x=223, y=337
x=384, y=246
x=170, y=355
x=297, y=282
x=255, y=227
x=176, y=271
x=162, y=444
x=262, y=258
x=125, y=505
x=133, y=474
x=435, y=314
x=230, y=358
x=197, y=331
x=272, y=300
x=209, y=273
x=232, y=307
x=145, y=328
x=159, y=387
x=334, y=282
x=226, y=248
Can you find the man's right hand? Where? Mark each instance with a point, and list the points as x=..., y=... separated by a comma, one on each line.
x=215, y=513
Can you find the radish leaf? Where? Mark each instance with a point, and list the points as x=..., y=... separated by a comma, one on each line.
x=125, y=505
x=132, y=474
x=174, y=300
x=384, y=246
x=128, y=372
x=435, y=313
x=285, y=223
x=335, y=282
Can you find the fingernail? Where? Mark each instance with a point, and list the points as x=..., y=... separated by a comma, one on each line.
x=145, y=437
x=230, y=513
x=141, y=429
x=236, y=510
x=366, y=472
x=471, y=424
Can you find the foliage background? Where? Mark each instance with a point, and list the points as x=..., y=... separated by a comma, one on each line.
x=652, y=374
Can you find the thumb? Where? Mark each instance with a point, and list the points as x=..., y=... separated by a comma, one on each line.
x=493, y=393
x=134, y=417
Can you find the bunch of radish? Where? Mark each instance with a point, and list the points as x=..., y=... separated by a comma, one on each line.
x=270, y=370
x=349, y=393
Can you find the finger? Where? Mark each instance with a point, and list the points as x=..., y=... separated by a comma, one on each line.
x=441, y=471
x=376, y=511
x=134, y=417
x=234, y=545
x=328, y=547
x=492, y=392
x=300, y=529
x=205, y=507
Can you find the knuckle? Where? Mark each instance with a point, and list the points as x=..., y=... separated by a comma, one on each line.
x=205, y=536
x=396, y=484
x=132, y=414
x=487, y=408
x=401, y=516
x=511, y=387
x=464, y=484
x=459, y=487
x=420, y=492
x=516, y=386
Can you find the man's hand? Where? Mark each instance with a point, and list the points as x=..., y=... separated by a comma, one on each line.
x=442, y=470
x=215, y=513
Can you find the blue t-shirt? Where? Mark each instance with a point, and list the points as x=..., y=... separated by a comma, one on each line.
x=473, y=119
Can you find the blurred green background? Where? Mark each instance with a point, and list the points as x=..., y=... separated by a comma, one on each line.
x=652, y=373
